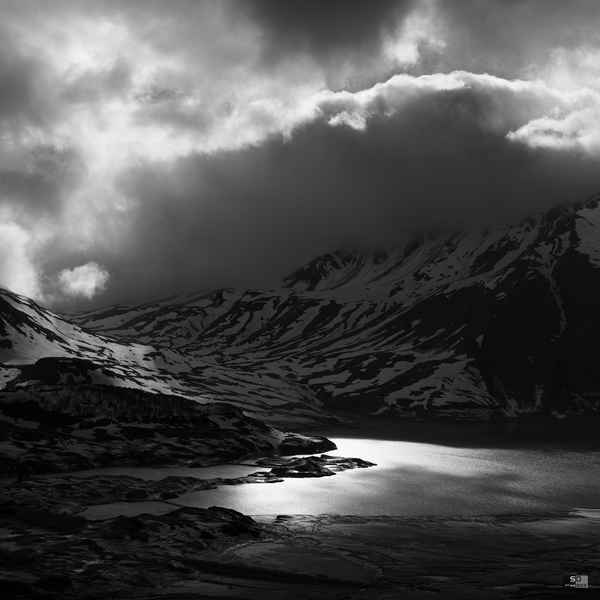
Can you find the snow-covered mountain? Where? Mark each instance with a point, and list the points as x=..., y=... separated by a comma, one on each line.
x=71, y=399
x=468, y=326
x=38, y=347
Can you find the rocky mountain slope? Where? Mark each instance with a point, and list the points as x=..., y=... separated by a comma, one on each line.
x=71, y=399
x=466, y=326
x=38, y=347
x=472, y=325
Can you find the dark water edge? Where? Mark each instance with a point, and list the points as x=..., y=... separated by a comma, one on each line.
x=517, y=433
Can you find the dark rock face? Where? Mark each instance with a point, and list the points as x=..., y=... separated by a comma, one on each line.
x=297, y=444
x=578, y=282
x=314, y=466
x=303, y=467
x=53, y=370
x=520, y=349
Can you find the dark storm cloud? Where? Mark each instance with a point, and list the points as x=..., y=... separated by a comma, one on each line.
x=326, y=29
x=20, y=77
x=41, y=180
x=248, y=218
x=510, y=36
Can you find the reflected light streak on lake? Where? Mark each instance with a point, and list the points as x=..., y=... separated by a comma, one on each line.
x=417, y=479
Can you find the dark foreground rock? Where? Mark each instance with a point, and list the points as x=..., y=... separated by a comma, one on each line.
x=313, y=466
x=69, y=494
x=113, y=556
x=52, y=429
x=295, y=443
x=193, y=553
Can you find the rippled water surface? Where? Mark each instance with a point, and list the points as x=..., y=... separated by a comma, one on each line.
x=415, y=478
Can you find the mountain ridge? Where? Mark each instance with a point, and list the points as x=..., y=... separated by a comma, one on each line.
x=474, y=325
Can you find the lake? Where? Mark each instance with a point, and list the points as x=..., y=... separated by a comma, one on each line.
x=422, y=469
x=424, y=478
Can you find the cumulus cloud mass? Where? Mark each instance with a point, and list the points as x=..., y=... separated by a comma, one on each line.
x=189, y=145
x=84, y=281
x=17, y=271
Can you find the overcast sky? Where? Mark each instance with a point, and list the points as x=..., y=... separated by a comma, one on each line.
x=149, y=147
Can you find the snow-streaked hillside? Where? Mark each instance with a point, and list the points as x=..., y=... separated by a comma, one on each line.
x=38, y=347
x=473, y=325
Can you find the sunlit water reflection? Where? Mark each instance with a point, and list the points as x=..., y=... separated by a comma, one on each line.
x=417, y=479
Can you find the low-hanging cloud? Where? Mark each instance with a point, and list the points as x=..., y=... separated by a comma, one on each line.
x=18, y=270
x=530, y=112
x=84, y=281
x=578, y=130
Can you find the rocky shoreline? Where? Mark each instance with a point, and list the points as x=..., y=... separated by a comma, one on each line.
x=49, y=550
x=62, y=429
x=69, y=494
x=193, y=553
